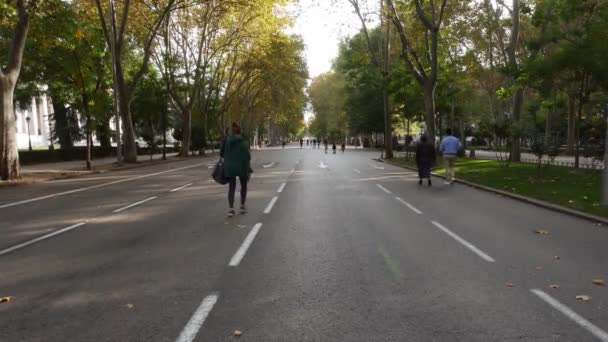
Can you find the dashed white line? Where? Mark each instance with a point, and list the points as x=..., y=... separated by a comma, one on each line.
x=240, y=253
x=135, y=204
x=181, y=187
x=44, y=237
x=384, y=189
x=198, y=318
x=376, y=167
x=357, y=171
x=270, y=205
x=464, y=242
x=578, y=319
x=282, y=187
x=94, y=187
x=414, y=209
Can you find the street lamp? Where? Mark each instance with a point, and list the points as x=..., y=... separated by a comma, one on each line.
x=29, y=136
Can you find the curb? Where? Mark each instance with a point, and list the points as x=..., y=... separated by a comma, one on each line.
x=539, y=203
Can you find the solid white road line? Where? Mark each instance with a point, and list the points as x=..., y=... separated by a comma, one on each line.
x=44, y=237
x=376, y=167
x=270, y=205
x=198, y=318
x=414, y=209
x=94, y=187
x=384, y=189
x=181, y=187
x=240, y=253
x=464, y=242
x=597, y=332
x=282, y=187
x=357, y=171
x=135, y=204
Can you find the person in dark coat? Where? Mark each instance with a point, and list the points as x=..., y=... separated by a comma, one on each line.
x=237, y=160
x=425, y=158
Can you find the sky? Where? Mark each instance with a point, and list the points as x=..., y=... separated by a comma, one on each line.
x=322, y=24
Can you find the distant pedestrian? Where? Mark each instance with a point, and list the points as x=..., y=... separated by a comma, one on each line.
x=237, y=160
x=333, y=147
x=301, y=143
x=449, y=148
x=325, y=144
x=425, y=158
x=283, y=143
x=343, y=147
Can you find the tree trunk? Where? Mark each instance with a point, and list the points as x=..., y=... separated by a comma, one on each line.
x=62, y=129
x=548, y=125
x=518, y=101
x=186, y=132
x=429, y=111
x=9, y=161
x=605, y=171
x=128, y=131
x=571, y=125
x=388, y=127
x=88, y=158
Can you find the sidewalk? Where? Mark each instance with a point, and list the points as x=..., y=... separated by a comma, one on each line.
x=80, y=165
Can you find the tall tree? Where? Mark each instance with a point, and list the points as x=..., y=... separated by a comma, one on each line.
x=9, y=74
x=138, y=24
x=431, y=15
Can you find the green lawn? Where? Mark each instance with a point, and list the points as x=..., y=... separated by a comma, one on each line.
x=576, y=189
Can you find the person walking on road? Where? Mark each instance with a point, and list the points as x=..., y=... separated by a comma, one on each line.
x=343, y=147
x=283, y=143
x=237, y=158
x=333, y=147
x=425, y=158
x=449, y=149
x=301, y=143
x=325, y=143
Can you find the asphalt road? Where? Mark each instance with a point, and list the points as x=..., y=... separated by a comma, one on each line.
x=334, y=248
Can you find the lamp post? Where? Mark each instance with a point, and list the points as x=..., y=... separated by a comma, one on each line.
x=29, y=136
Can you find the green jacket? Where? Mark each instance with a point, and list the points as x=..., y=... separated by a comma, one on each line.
x=235, y=152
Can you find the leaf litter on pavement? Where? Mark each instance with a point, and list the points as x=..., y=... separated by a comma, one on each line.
x=6, y=299
x=599, y=282
x=584, y=298
x=237, y=333
x=554, y=286
x=541, y=232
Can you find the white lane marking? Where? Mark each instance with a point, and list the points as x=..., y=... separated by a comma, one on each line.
x=414, y=209
x=135, y=204
x=357, y=171
x=384, y=189
x=282, y=187
x=323, y=165
x=43, y=237
x=181, y=187
x=267, y=166
x=198, y=318
x=270, y=205
x=240, y=253
x=578, y=319
x=464, y=242
x=376, y=167
x=94, y=186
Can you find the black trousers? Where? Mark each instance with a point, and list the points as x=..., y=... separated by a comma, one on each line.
x=232, y=190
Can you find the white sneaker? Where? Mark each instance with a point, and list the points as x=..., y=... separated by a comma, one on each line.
x=243, y=209
x=231, y=212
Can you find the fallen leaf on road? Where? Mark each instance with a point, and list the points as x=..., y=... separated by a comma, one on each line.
x=6, y=299
x=554, y=286
x=541, y=232
x=584, y=298
x=129, y=306
x=556, y=257
x=509, y=285
x=599, y=282
x=539, y=268
x=237, y=333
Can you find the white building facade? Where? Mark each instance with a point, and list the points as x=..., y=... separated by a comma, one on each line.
x=37, y=117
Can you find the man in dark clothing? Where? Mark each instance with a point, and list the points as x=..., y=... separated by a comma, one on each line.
x=301, y=142
x=325, y=144
x=425, y=158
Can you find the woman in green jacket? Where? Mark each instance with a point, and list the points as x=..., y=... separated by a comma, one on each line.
x=235, y=152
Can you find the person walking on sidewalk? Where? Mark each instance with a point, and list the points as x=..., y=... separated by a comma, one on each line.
x=425, y=158
x=237, y=160
x=449, y=148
